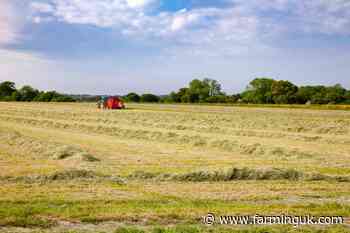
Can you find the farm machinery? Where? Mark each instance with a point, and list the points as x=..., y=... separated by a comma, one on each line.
x=110, y=103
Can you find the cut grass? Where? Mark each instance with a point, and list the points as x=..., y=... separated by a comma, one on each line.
x=192, y=229
x=64, y=176
x=286, y=161
x=239, y=174
x=66, y=152
x=160, y=211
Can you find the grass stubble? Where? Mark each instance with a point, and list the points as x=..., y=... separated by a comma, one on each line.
x=159, y=168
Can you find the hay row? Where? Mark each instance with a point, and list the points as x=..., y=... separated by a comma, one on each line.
x=69, y=175
x=238, y=174
x=43, y=149
x=196, y=140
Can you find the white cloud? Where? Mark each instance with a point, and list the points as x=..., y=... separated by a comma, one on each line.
x=240, y=26
x=42, y=7
x=326, y=16
x=330, y=17
x=139, y=3
x=8, y=29
x=183, y=19
x=130, y=16
x=9, y=55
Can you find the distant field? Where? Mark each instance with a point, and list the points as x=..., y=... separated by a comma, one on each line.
x=74, y=168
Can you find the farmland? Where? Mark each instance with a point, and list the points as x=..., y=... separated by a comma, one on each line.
x=74, y=167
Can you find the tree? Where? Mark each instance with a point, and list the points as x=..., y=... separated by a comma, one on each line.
x=63, y=98
x=173, y=98
x=132, y=97
x=283, y=92
x=233, y=98
x=198, y=91
x=216, y=99
x=190, y=97
x=214, y=87
x=181, y=95
x=28, y=93
x=46, y=96
x=15, y=96
x=259, y=91
x=335, y=94
x=6, y=89
x=149, y=98
x=319, y=98
x=308, y=94
x=347, y=97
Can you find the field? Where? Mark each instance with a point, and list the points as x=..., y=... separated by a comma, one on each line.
x=160, y=168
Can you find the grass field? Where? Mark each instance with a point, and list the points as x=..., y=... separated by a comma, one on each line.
x=160, y=168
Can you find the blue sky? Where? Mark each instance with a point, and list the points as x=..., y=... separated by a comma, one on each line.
x=119, y=46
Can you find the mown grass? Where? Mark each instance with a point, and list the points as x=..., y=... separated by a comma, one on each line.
x=282, y=106
x=157, y=211
x=64, y=162
x=67, y=175
x=191, y=229
x=239, y=174
x=196, y=229
x=298, y=106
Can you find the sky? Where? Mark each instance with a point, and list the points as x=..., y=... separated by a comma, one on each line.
x=121, y=46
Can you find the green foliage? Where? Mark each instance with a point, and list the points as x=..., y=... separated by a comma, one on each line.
x=233, y=98
x=217, y=99
x=15, y=96
x=335, y=94
x=347, y=97
x=8, y=92
x=63, y=98
x=199, y=91
x=53, y=96
x=214, y=87
x=283, y=92
x=306, y=93
x=6, y=89
x=149, y=98
x=132, y=97
x=270, y=91
x=28, y=93
x=322, y=95
x=259, y=91
x=46, y=96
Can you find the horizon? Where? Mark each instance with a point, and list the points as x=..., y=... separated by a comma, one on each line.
x=161, y=94
x=158, y=46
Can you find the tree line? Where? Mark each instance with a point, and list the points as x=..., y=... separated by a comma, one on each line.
x=259, y=91
x=9, y=92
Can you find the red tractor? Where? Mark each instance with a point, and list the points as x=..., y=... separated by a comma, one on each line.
x=111, y=103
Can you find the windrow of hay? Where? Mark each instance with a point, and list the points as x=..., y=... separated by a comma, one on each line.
x=65, y=152
x=242, y=119
x=67, y=175
x=203, y=127
x=44, y=149
x=238, y=174
x=196, y=125
x=172, y=137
